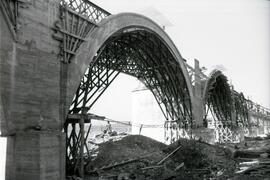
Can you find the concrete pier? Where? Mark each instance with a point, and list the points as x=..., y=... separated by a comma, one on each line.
x=36, y=155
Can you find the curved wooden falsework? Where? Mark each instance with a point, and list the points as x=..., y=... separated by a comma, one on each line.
x=227, y=107
x=116, y=27
x=135, y=45
x=217, y=97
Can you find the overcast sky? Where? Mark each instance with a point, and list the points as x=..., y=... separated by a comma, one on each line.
x=233, y=35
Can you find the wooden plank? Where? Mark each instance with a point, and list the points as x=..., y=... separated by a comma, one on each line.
x=75, y=118
x=169, y=155
x=68, y=33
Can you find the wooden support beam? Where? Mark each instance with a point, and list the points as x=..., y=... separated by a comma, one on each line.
x=75, y=118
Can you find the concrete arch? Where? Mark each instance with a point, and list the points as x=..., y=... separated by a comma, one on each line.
x=107, y=28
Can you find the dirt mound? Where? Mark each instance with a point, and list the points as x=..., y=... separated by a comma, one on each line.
x=140, y=157
x=130, y=147
x=202, y=159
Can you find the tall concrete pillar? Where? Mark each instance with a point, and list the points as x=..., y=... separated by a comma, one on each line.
x=30, y=91
x=200, y=131
x=36, y=155
x=197, y=89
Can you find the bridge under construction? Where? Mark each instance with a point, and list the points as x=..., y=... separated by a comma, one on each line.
x=58, y=57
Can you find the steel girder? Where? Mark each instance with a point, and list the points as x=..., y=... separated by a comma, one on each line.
x=86, y=9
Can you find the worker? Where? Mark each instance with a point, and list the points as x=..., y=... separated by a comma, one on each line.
x=108, y=127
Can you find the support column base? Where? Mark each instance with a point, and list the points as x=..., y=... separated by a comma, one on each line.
x=37, y=155
x=205, y=134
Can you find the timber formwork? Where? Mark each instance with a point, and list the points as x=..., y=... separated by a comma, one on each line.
x=230, y=112
x=136, y=52
x=139, y=53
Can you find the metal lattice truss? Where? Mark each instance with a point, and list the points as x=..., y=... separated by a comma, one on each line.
x=87, y=9
x=77, y=19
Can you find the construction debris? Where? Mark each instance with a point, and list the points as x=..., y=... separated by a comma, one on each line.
x=253, y=158
x=134, y=157
x=140, y=157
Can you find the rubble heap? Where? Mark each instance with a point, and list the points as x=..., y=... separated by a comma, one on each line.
x=140, y=157
x=253, y=156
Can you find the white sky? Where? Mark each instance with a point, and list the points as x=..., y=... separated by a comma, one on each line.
x=233, y=34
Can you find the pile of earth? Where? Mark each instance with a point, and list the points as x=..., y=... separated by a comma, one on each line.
x=203, y=160
x=140, y=157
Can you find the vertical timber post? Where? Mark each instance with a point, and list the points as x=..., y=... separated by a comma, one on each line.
x=82, y=120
